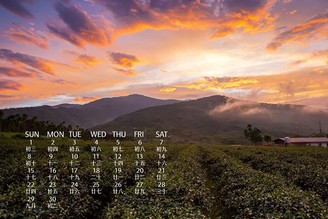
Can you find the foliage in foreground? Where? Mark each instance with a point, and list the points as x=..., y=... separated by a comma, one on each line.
x=203, y=182
x=248, y=193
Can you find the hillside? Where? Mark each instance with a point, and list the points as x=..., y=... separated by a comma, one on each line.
x=222, y=118
x=90, y=114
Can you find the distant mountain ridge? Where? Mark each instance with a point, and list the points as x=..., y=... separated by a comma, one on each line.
x=90, y=114
x=218, y=118
x=222, y=118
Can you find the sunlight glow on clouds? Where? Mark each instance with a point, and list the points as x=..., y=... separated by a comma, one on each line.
x=80, y=51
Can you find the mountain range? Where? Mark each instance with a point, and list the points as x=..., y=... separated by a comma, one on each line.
x=222, y=119
x=217, y=118
x=90, y=114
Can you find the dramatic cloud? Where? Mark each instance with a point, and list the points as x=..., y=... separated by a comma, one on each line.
x=80, y=27
x=27, y=36
x=314, y=28
x=66, y=35
x=163, y=48
x=87, y=60
x=224, y=17
x=11, y=72
x=38, y=63
x=9, y=85
x=123, y=60
x=16, y=7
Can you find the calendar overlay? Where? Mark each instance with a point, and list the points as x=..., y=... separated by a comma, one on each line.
x=55, y=165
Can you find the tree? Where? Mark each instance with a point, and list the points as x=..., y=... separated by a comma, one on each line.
x=267, y=138
x=1, y=119
x=23, y=120
x=21, y=123
x=253, y=134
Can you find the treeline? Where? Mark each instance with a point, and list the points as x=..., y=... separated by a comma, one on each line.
x=254, y=135
x=21, y=123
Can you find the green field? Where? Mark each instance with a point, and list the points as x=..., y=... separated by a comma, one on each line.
x=203, y=181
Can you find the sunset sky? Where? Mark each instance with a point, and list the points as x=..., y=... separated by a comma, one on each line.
x=273, y=51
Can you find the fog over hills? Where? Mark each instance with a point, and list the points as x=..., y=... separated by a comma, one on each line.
x=223, y=118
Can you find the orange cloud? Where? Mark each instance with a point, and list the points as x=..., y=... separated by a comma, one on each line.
x=320, y=53
x=129, y=72
x=314, y=28
x=224, y=17
x=4, y=96
x=124, y=60
x=9, y=85
x=314, y=55
x=32, y=63
x=27, y=36
x=213, y=83
x=168, y=90
x=87, y=60
x=38, y=63
x=63, y=82
x=223, y=31
x=11, y=72
x=307, y=83
x=85, y=99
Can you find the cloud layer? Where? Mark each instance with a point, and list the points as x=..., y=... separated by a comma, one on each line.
x=12, y=72
x=27, y=36
x=312, y=29
x=307, y=83
x=79, y=28
x=38, y=63
x=225, y=17
x=173, y=49
x=9, y=85
x=17, y=7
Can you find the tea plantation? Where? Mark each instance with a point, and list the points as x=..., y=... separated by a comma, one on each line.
x=203, y=181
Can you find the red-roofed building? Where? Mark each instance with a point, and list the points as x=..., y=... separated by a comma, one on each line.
x=312, y=141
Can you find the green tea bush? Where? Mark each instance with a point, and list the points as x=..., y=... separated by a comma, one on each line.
x=248, y=193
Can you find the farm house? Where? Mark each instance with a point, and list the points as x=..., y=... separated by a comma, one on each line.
x=311, y=141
